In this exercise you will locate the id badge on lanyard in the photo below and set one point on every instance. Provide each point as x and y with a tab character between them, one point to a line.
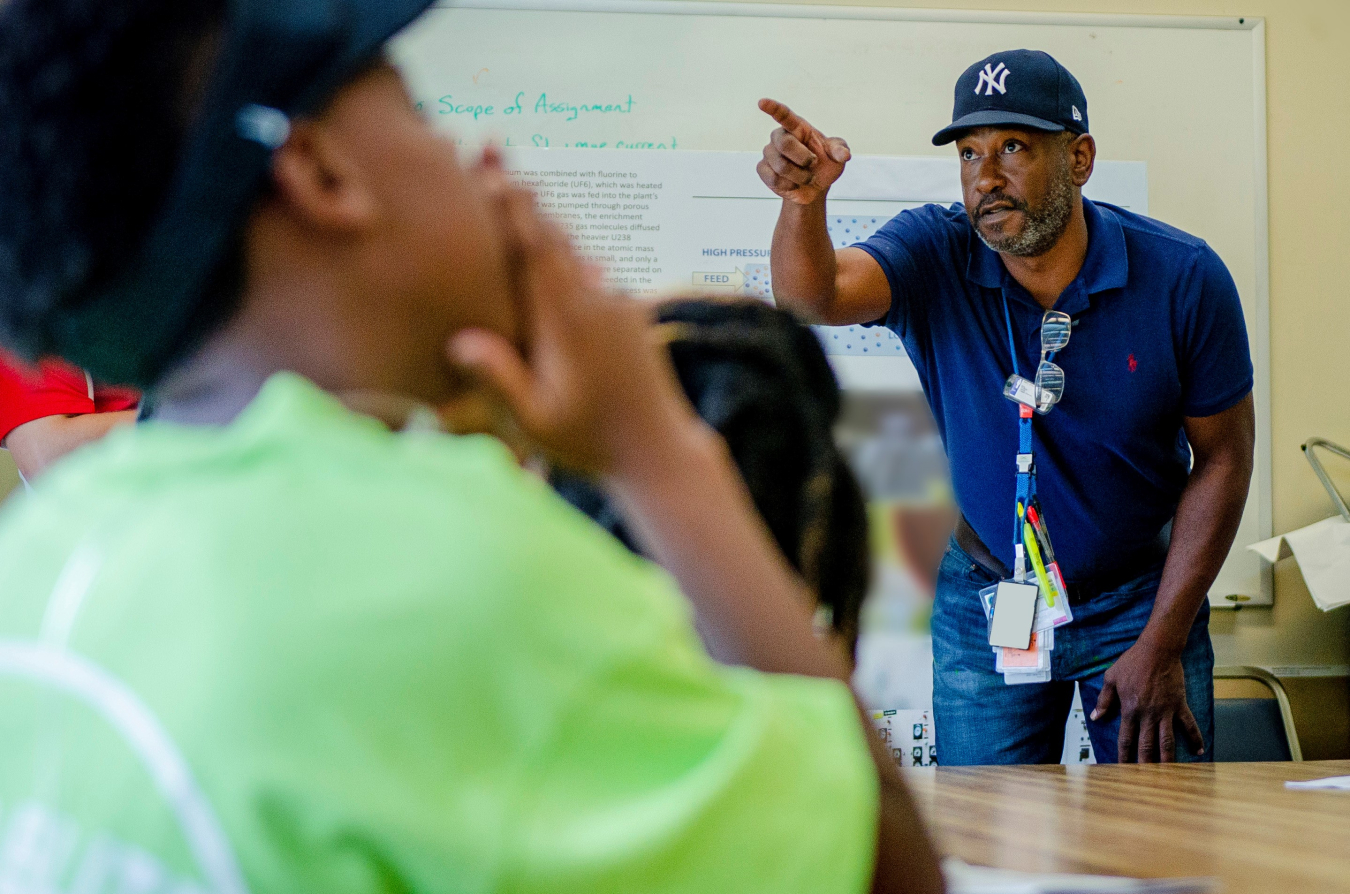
1024	611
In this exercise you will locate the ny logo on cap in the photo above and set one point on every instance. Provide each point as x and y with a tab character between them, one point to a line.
992	79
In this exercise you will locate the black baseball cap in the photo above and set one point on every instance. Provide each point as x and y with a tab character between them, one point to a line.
1019	88
280	59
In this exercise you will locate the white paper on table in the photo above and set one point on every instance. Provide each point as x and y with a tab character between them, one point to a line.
1322	551
1330	782
963	878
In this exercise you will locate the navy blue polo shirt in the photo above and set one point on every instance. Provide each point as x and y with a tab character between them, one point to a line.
1158	335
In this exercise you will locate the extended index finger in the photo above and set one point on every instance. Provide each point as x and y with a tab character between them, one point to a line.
790	120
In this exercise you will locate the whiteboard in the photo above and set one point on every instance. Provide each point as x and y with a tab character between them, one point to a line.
1184	96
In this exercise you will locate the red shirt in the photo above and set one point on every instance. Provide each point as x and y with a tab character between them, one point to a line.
54	388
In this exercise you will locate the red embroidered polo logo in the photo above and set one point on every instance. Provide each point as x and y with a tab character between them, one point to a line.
1134	364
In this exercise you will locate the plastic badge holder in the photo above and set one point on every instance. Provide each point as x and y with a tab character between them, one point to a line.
1025	666
1033	659
987	597
1026	392
1044	642
1047	618
1020	390
1039	677
1014	614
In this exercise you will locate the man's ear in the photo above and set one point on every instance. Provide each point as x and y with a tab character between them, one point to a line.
320	182
1082	157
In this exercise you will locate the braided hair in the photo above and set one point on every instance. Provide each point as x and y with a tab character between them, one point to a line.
761	380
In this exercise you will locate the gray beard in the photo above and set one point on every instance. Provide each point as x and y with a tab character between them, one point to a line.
1043	226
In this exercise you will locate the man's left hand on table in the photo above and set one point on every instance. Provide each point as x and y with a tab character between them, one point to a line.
1149	687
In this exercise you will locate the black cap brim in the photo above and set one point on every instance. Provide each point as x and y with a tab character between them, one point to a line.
993	118
368	27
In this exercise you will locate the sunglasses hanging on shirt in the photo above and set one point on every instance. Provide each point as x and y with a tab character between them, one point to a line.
1048	388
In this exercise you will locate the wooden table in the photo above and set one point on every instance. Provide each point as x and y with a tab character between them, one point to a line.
1233	821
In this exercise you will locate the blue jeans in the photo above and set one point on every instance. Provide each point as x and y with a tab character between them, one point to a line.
979	719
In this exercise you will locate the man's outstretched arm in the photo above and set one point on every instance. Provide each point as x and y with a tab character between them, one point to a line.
810	278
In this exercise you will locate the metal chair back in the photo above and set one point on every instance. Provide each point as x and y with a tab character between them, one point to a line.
1254	729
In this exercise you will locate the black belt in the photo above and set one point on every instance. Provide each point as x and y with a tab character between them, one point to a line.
1079	591
968	540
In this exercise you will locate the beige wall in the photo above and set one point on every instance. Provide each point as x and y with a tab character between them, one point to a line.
1309	165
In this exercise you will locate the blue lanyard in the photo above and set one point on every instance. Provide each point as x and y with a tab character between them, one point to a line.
1026	467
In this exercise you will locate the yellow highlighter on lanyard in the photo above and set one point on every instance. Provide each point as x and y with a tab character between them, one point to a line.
1047	552
1034	551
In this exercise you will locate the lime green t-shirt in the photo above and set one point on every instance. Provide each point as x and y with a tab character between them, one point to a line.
304	653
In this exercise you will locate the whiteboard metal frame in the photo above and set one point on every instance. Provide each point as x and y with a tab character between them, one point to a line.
1255	24
1265	514
865	13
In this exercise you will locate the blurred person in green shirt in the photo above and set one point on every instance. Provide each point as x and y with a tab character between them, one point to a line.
269	643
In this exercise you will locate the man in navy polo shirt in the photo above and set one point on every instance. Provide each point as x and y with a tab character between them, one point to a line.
1157	371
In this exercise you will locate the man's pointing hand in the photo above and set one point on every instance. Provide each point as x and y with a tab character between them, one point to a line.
800	162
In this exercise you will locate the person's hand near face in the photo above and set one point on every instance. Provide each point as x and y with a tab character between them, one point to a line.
587	383
591	387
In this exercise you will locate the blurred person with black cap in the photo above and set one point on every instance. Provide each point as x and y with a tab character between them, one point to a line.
1158	368
266	642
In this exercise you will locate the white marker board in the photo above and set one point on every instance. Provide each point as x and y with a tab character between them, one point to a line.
1185	96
